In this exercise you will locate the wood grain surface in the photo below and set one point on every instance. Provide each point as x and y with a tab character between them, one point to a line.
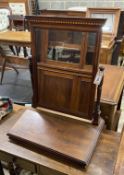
65	137
102	162
15	37
113	84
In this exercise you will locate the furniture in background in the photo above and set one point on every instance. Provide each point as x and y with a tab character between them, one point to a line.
121	49
21	7
34	7
121	54
112	95
18	23
4	3
118	53
62	12
110	30
17	38
18	7
5	25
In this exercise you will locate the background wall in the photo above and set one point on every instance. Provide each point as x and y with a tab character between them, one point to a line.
65	4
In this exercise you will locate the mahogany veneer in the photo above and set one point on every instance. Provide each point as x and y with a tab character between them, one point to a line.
64	64
66	137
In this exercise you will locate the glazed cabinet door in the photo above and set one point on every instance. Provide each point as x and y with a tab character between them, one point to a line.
64	66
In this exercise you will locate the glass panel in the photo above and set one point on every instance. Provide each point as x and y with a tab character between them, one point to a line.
108	26
91	43
64	46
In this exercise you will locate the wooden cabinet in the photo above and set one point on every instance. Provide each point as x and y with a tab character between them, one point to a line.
65	62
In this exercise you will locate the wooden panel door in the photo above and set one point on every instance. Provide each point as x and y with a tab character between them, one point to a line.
55	90
64	92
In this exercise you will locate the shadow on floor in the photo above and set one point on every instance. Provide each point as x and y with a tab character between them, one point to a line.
17	86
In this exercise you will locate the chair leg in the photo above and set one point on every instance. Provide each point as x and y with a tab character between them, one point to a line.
15	70
11	168
12	49
1	169
17	50
25	52
3	69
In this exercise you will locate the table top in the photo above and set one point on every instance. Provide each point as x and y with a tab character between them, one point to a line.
113	84
12	37
102	162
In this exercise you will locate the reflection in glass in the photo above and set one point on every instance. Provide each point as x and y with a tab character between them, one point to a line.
64	46
108	26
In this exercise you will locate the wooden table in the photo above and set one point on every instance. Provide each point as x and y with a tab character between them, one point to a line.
112	95
19	38
102	162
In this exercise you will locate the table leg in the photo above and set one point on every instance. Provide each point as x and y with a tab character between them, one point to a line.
25	52
1	169
11	168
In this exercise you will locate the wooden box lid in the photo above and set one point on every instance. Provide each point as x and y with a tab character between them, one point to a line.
64	137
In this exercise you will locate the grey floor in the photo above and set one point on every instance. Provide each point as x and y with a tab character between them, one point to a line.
17	86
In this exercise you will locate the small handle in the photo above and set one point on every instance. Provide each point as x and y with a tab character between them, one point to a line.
99	76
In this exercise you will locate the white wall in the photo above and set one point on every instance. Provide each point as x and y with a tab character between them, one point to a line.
65	4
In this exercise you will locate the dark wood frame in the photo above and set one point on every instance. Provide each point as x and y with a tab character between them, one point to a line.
61	87
71	23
